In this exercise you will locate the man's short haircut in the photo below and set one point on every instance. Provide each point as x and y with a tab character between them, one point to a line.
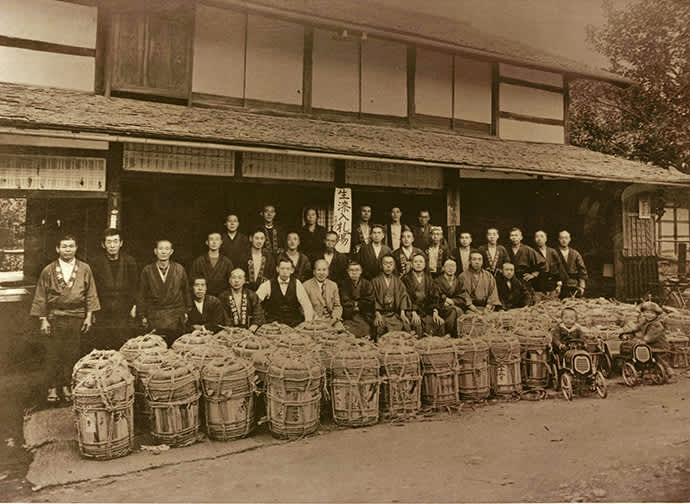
320	260
208	235
407	230
159	240
331	232
111	232
464	232
419	254
476	252
507	263
386	255
259	230
378	226
227	217
199	277
282	259
306	211
564	231
569	308
354	263
263	208
513	229
65	237
365	205
240	270
450	259
492	229
423	210
540	231
294	233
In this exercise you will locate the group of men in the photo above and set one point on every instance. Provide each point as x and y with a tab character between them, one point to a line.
394	278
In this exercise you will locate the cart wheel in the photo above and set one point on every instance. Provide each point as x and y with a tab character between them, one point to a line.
566	383
659	375
606	365
554	377
600	385
630	374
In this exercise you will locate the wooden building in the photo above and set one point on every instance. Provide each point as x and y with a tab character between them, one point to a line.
160	117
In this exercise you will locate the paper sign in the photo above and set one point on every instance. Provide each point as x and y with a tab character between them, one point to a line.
342	218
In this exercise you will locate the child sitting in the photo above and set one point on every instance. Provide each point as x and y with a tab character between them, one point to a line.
568	331
651	330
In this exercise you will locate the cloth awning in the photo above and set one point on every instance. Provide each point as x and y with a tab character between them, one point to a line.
28	107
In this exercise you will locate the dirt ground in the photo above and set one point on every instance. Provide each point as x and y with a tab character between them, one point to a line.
633	446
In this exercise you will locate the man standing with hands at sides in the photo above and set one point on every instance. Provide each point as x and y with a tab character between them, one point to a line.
337	262
422	294
164	294
275	236
299	260
450	299
393	230
494	255
390	300
206	311
511	290
361	233
260	262
312	234
403	256
116	276
422	231
478	286
213	266
235	245
357	298
549	283
461	255
437	252
370	255
64	301
529	264
282	297
323	294
242	306
574	267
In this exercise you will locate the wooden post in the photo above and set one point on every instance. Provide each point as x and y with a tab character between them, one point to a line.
411	71
307	70
566	108
495	99
113	185
618	244
451	185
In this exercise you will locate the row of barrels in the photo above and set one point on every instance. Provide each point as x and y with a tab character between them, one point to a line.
226	381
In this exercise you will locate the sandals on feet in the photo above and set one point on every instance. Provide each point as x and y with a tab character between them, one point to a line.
67	394
52	396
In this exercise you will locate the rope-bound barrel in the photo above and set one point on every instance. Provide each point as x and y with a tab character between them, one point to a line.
472	325
273	330
401	385
293	393
247	346
534	349
679	348
94	360
473	358
144	343
295	341
228	390
198	355
189	340
397	337
229	336
504	363
439	362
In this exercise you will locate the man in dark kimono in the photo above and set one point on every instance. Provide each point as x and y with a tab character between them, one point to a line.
284	298
425	318
357	298
259	262
394	229
337	262
164	294
275	236
235	245
361	232
116	276
461	255
573	266
213	266
242	306
206	311
371	253
422	230
478	287
529	264
312	235
390	300
494	255
449	294
549	283
511	290
300	261
64	301
403	256
437	252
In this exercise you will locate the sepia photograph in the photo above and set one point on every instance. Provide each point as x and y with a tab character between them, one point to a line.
325	251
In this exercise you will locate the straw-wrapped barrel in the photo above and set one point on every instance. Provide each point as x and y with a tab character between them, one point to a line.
504	364
229	336
534	352
228	390
273	331
141	368
354	384
144	343
397	337
94	360
198	355
439	360
317	329
401	384
473	357
103	408
189	340
472	325
173	392
679	345
293	394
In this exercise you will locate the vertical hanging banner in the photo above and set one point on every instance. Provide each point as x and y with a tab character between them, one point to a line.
342	218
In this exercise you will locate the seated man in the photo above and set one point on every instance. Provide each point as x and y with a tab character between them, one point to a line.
567	332
241	305
357	298
420	289
282	297
449	294
511	290
390	300
478	286
206	311
323	293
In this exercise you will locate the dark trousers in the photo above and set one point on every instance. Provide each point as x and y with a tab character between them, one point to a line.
109	333
62	349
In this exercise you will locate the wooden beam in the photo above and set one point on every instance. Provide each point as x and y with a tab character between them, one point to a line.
411	72
113	185
238	164
38	45
535	85
451	184
307	69
339	173
529	118
190	54
566	111
495	99
51	194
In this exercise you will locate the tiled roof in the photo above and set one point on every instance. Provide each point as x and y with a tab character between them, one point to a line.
43	108
434	29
